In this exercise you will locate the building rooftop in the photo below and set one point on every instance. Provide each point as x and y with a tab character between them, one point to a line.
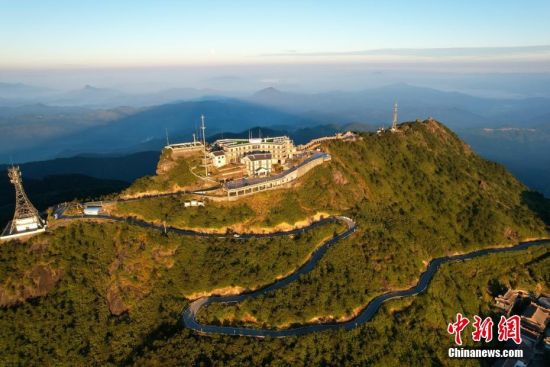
544	301
7	234
218	153
233	142
185	145
537	315
258	156
507	301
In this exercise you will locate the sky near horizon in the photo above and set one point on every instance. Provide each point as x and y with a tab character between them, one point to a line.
67	34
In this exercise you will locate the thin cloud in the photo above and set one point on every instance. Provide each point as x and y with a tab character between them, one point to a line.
430	52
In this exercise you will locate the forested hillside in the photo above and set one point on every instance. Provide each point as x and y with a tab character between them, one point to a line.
100	293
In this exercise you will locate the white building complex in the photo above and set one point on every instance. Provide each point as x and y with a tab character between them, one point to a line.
281	148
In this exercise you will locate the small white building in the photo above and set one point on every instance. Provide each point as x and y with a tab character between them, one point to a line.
193	202
92	210
27	224
258	164
218	158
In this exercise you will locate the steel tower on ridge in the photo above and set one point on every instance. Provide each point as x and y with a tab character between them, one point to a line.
394	122
26	219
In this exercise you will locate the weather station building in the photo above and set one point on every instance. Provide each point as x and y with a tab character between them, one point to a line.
185	149
258	164
218	158
92	210
281	148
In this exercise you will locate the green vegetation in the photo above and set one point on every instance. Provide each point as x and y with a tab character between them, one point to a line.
406	332
113	269
172	174
287	210
174	213
112	294
423	183
289	305
265	211
415	195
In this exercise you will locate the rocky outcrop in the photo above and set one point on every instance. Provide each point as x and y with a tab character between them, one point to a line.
37	282
115	301
339	178
165	163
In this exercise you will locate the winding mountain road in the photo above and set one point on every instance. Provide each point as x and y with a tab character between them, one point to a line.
189	315
59	211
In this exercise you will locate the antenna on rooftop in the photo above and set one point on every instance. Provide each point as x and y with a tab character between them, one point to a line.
167	141
203	128
196	130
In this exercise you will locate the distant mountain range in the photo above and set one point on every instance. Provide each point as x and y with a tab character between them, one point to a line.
13	95
40	124
28	132
114	167
374	106
40	131
368	105
132	130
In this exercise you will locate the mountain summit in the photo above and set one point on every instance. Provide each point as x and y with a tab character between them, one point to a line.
415	194
268	94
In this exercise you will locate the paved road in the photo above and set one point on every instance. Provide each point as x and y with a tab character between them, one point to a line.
59	212
189	315
203	192
244	182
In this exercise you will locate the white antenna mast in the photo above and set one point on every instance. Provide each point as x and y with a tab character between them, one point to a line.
394	123
203	128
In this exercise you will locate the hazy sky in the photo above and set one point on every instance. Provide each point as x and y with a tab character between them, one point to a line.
80	33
